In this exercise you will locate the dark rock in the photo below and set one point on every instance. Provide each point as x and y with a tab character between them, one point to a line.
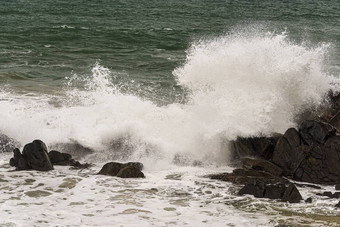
260	164
36	156
58	158
338	204
316	132
130	172
275	191
18	161
242	176
337	187
255	146
288	153
7	144
329	194
73	148
291	194
309	200
113	168
272	191
256	189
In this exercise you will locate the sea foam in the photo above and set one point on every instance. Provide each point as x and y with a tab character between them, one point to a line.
239	85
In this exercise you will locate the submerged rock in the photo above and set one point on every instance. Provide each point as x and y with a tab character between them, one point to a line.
65	159
123	170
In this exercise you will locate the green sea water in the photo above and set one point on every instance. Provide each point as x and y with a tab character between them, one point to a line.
44	41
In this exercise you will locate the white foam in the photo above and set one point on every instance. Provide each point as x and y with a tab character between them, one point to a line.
240	85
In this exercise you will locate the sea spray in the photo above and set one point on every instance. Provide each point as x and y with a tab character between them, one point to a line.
240	85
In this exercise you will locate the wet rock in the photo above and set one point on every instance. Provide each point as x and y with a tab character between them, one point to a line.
291	194
18	161
242	176
73	148
256	189
288	153
309	200
272	191
261	164
331	195
255	146
58	158
36	156
338	205
115	168
316	132
130	172
7	144
337	187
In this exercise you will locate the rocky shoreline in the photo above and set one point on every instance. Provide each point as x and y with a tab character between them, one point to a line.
266	167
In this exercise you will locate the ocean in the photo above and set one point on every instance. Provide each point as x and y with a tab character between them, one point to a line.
166	83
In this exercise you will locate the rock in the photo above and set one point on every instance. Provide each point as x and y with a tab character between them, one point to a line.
7	144
113	168
242	176
291	194
255	146
309	200
36	156
272	191
73	148
58	158
18	161
288	153
316	132
331	195
261	164
338	204
337	187
256	189
130	172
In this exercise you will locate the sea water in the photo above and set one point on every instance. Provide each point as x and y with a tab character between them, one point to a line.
168	84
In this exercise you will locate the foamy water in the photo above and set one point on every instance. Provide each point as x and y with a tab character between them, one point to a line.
238	85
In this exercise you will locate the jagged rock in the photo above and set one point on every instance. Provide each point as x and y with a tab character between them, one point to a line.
291	194
260	164
337	187
288	153
113	168
242	176
321	163
255	146
316	132
36	156
272	191
7	144
130	172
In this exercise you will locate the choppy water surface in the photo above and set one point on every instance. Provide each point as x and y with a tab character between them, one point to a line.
168	84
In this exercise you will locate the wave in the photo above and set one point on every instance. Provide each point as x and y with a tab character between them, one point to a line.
239	84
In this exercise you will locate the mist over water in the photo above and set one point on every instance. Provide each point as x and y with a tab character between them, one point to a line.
238	84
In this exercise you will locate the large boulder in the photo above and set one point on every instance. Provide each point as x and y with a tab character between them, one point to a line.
316	132
288	153
123	170
58	158
18	161
36	156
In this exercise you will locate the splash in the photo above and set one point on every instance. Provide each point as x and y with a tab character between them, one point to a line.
240	85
